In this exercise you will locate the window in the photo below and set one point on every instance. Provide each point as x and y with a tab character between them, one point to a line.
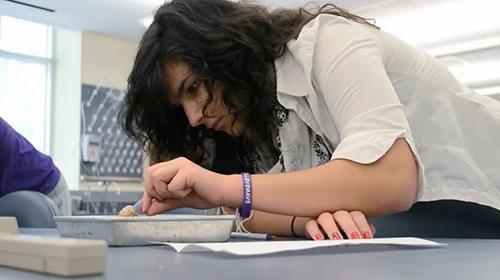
25	75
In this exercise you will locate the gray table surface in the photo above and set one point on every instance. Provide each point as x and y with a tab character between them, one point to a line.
461	259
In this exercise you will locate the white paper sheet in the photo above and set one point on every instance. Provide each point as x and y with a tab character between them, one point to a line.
269	247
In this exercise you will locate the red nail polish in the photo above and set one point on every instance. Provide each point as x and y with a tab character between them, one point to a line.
355	235
367	235
318	236
336	236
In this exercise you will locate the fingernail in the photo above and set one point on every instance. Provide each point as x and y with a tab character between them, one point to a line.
336	236
355	235
367	235
318	236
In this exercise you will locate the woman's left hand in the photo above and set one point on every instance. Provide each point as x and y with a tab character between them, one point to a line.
353	224
180	183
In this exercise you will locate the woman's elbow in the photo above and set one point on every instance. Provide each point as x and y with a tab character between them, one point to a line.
406	195
405	189
403	178
397	197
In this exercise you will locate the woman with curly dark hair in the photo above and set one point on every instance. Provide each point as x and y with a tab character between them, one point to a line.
346	120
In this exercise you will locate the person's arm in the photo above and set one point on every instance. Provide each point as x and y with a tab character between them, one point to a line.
387	186
337	225
275	224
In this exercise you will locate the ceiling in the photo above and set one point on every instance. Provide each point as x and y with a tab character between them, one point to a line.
121	18
414	20
451	29
114	18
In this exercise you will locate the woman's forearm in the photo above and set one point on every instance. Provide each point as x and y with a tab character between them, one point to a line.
275	224
386	186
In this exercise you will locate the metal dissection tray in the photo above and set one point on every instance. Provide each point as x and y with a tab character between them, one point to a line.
142	230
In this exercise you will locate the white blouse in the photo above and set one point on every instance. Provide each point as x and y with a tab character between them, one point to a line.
360	89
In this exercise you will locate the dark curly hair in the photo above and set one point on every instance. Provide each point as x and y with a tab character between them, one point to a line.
232	43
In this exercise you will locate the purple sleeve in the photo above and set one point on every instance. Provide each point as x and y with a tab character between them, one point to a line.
22	167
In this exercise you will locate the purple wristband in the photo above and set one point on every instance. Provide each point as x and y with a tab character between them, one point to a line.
246	206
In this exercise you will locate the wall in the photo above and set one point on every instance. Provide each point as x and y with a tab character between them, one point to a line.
82	57
65	113
107	62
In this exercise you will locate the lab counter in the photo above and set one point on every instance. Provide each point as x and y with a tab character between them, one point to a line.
461	259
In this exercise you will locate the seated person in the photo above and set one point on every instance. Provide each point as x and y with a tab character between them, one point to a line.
23	168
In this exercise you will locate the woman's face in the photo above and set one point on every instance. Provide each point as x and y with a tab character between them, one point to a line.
187	90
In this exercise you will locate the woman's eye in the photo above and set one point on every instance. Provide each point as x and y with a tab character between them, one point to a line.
194	87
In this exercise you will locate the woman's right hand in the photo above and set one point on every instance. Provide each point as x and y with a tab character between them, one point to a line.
353	224
180	183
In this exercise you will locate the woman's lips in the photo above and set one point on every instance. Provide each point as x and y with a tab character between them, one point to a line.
218	123
212	124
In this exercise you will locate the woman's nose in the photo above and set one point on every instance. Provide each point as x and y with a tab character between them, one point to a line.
193	114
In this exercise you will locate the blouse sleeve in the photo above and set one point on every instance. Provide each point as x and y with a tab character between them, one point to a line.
348	70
